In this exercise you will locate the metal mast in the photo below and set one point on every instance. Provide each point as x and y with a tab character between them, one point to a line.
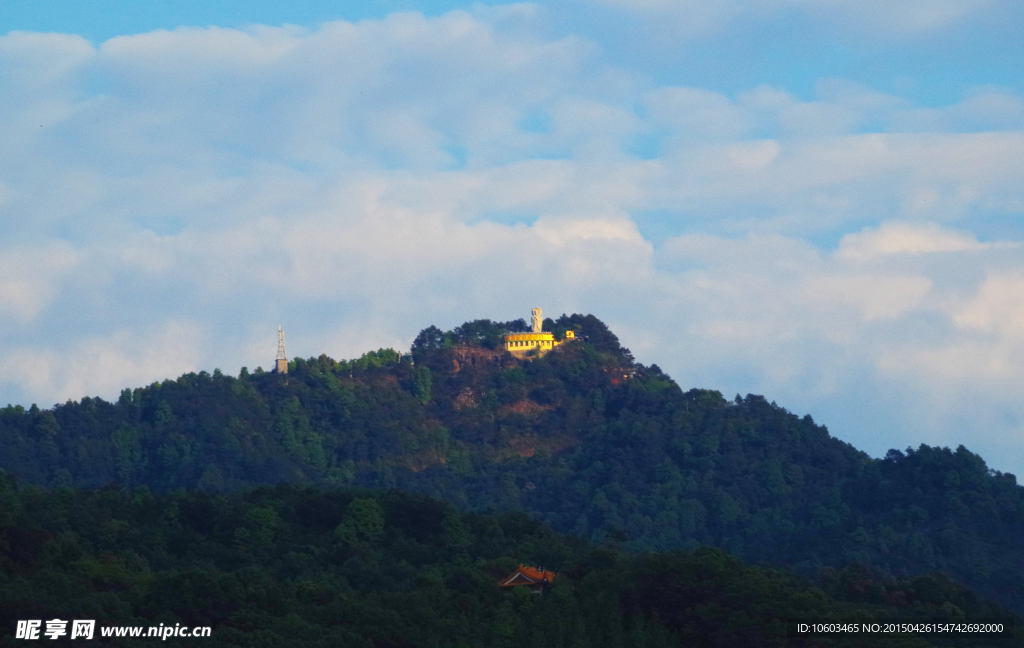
281	365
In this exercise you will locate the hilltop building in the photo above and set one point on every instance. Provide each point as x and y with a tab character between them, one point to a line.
282	360
536	342
535	579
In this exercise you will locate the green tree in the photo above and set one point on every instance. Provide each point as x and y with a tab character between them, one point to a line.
422	383
364	522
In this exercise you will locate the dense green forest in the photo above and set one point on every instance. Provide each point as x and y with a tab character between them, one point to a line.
298	566
584	439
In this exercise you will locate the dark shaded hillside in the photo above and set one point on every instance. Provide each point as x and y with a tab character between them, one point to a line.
584	439
296	566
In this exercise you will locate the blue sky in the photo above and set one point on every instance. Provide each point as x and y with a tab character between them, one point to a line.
814	200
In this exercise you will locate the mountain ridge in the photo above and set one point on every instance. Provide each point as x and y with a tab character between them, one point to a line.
585	439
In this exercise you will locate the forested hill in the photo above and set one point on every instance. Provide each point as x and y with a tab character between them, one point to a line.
584	439
307	568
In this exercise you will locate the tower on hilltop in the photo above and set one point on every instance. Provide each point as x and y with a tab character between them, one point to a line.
537	342
282	359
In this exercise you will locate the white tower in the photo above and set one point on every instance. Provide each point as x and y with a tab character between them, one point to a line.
282	359
538	323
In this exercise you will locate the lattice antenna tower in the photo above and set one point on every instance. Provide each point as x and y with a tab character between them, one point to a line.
281	364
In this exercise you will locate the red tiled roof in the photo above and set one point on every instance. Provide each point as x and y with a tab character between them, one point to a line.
527	576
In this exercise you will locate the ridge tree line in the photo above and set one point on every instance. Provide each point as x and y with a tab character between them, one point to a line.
584	439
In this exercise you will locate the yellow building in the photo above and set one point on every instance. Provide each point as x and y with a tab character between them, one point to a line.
536	342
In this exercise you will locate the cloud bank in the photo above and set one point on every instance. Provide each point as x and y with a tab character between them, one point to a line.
167	199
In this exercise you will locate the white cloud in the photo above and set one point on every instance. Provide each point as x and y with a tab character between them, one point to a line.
884	297
692	114
908	238
104	365
997	308
983	109
30	278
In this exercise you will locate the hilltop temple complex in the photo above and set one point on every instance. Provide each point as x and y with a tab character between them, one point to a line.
537	342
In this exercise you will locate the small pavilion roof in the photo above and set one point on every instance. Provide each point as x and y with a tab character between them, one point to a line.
525	575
